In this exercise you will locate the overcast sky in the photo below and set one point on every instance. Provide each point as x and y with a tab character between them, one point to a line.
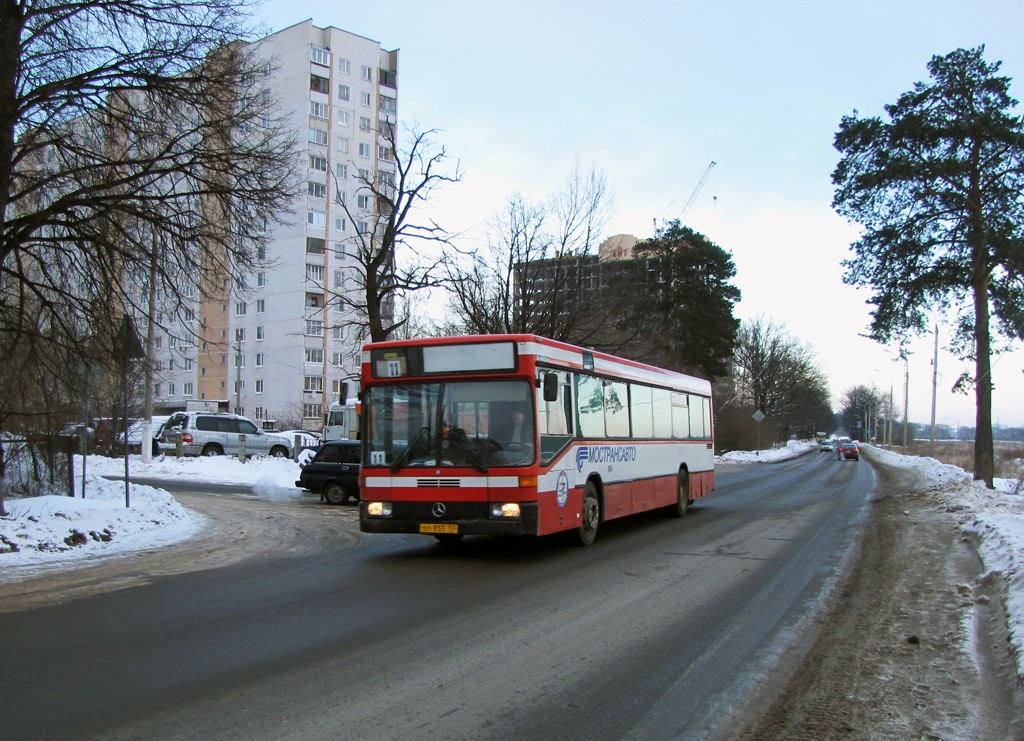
651	93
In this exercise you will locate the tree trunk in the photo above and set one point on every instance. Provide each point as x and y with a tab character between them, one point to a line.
984	456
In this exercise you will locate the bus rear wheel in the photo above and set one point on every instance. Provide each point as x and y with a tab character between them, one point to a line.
590	515
682	504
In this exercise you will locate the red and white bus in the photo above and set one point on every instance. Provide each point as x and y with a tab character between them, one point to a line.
601	437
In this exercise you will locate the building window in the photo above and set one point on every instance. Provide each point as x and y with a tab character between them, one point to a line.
340	224
319	84
384	152
365	176
343	118
316	190
239	360
364	98
316	218
317	136
186	389
314	272
240	335
363	227
259	332
314	384
259	385
344	67
314	355
315	245
259	360
363	201
344	93
314	328
261	280
366	73
261	306
364	149
313	411
318	110
320	56
341	170
240	308
187	364
342	144
318	163
170	389
387	103
364	123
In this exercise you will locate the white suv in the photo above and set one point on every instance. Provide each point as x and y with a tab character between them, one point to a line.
210	433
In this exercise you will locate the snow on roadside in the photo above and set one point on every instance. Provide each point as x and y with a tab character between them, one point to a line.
59	531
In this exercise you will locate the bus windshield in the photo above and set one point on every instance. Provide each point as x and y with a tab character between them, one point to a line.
450	425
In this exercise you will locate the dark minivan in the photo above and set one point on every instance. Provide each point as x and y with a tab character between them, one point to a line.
333	472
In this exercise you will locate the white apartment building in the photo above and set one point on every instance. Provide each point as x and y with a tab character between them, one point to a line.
275	344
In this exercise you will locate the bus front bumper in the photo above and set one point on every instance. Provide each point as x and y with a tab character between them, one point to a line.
450	518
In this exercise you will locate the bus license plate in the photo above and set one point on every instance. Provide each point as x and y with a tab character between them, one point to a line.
435	528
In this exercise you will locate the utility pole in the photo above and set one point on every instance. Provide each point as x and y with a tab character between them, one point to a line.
906	398
935	386
146	441
238	376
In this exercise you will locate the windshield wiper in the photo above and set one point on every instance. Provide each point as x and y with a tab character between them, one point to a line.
462	443
407	453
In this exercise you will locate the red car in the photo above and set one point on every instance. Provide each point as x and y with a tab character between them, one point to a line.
849	451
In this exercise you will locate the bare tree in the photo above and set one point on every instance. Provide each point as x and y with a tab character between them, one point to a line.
131	136
540	271
774	373
396	254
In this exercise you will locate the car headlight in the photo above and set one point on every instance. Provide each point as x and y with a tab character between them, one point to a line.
378	509
506	510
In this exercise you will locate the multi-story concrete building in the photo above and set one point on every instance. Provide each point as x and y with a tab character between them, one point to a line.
278	344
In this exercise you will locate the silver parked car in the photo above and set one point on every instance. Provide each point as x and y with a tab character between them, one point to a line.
212	433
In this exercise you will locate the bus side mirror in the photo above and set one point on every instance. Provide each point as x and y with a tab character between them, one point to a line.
343	393
550	387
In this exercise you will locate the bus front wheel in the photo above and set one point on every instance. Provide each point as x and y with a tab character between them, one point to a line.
682	496
590	515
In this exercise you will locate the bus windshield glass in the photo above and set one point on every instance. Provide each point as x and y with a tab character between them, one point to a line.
479	424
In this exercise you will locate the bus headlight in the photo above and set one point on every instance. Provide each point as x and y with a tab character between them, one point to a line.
378	509
504	511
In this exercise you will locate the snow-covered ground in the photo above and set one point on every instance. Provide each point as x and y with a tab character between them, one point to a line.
59	532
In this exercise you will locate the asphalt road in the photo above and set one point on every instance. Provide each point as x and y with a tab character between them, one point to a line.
661	629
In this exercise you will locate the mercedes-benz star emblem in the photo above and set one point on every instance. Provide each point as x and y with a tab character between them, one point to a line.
438	509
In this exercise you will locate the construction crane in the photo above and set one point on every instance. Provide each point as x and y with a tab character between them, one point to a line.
696	191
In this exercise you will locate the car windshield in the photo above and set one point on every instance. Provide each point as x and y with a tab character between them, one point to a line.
446	425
